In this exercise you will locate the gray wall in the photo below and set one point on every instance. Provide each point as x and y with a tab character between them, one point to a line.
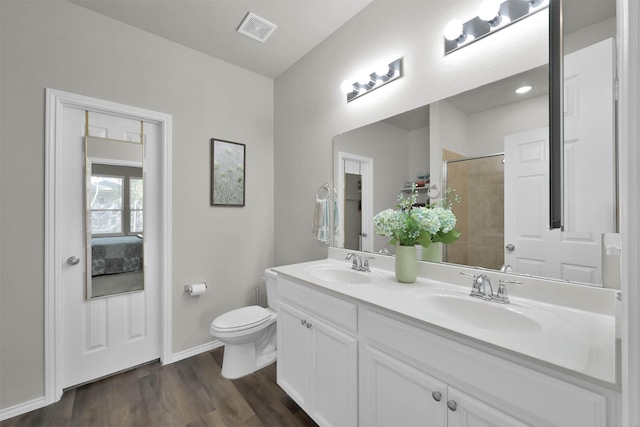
55	44
310	109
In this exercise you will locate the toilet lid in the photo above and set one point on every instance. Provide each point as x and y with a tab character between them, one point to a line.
241	318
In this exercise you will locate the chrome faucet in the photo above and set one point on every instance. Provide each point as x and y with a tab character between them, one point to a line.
482	288
358	263
480	284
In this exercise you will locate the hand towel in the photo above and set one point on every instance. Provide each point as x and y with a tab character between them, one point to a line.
321	220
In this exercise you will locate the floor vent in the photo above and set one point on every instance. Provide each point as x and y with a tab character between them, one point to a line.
257	28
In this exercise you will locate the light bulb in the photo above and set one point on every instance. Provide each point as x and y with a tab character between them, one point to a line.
347	87
489	10
454	30
382	69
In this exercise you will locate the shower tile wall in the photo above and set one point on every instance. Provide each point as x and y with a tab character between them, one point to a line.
486	220
458	179
480	213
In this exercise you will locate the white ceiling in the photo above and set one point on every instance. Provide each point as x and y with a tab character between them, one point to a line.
209	26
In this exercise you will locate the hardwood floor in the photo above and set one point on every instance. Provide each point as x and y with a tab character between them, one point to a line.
190	393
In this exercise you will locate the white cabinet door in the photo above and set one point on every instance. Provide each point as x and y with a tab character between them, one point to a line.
293	354
466	411
334	375
317	367
395	394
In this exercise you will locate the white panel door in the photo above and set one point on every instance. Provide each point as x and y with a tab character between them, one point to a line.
530	247
110	334
357	165
589	149
589	174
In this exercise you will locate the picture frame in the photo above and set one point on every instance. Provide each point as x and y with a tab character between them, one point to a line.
227	173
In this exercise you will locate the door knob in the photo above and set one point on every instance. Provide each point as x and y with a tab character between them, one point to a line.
73	260
510	247
452	405
436	396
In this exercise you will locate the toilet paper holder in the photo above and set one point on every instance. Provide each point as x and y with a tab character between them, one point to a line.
189	288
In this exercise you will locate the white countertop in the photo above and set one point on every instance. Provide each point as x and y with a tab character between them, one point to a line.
577	333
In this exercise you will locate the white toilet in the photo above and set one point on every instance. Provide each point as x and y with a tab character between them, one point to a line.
248	334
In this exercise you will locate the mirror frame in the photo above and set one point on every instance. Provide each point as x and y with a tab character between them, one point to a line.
556	116
88	172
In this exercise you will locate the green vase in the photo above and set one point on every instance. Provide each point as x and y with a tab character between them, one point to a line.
433	253
406	264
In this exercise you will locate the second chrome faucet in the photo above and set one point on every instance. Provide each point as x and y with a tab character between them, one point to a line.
359	263
481	288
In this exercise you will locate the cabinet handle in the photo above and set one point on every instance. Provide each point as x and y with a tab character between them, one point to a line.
303	322
308	325
452	405
436	396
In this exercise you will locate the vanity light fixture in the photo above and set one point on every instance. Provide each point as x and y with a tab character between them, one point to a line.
383	74
492	16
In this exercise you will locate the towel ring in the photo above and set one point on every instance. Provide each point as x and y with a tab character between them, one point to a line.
323	192
433	188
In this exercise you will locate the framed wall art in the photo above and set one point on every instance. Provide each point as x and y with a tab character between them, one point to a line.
227	173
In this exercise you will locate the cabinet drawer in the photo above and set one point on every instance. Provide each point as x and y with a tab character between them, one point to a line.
335	311
518	390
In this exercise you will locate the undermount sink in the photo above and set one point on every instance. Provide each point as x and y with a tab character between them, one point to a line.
341	275
483	314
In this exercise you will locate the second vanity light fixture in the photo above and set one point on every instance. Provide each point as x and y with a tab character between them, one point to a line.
493	15
382	75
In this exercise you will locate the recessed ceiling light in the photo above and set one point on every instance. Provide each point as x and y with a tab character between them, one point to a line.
523	89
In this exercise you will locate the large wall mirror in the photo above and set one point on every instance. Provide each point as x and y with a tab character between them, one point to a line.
114	216
491	145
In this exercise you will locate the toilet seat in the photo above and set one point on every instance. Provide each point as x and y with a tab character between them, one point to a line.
241	319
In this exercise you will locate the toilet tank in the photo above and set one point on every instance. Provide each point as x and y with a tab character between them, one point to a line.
271	279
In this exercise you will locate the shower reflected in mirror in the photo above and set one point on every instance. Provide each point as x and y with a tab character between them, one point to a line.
479	183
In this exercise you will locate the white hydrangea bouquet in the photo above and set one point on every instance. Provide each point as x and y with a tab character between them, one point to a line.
411	225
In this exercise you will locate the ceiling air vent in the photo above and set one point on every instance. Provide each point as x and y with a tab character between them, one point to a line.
257	28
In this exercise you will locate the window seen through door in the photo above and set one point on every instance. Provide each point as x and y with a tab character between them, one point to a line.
116	204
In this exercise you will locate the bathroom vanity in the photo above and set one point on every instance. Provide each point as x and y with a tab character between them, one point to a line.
359	348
